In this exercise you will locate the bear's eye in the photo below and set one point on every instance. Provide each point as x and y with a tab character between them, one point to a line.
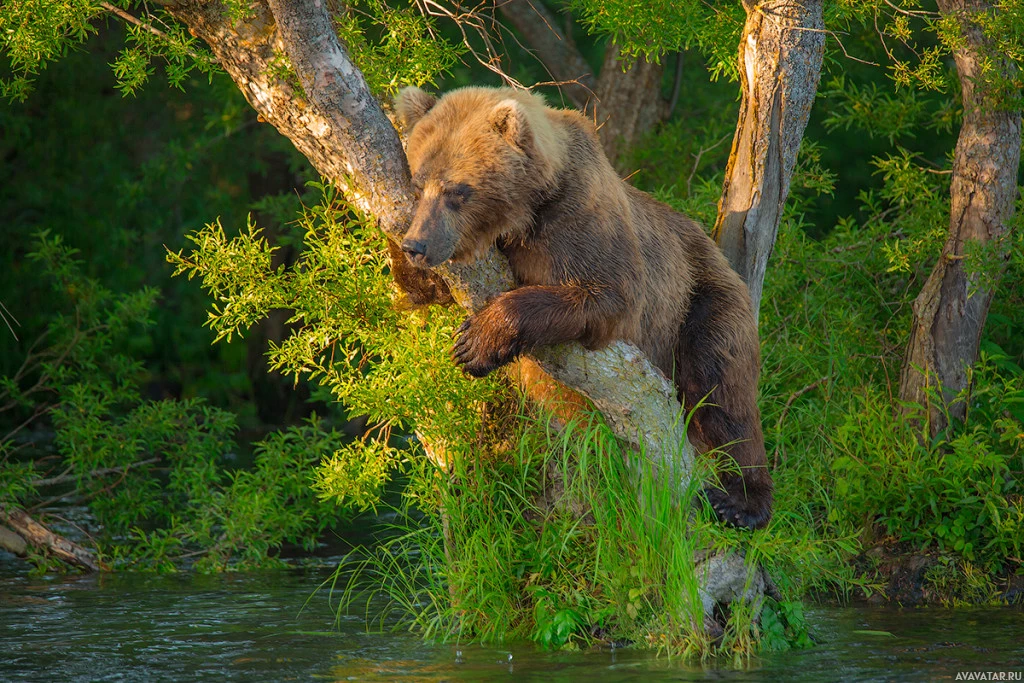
457	194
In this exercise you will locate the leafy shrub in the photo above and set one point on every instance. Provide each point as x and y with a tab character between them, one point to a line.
161	478
962	493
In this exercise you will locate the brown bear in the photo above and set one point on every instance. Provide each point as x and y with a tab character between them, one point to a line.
595	260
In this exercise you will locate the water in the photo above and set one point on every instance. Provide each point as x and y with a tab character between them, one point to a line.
253	627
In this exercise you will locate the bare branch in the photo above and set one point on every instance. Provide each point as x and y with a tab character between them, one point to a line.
696	160
146	26
480	20
552	47
7	317
68	475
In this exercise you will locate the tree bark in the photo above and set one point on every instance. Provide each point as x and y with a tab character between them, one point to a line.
950	311
345	134
20	525
781	51
629	101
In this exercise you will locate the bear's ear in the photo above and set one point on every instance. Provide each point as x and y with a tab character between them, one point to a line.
509	119
412	104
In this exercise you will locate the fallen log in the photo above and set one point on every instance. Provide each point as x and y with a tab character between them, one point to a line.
19	525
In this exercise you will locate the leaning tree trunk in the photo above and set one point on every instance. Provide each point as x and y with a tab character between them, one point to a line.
781	51
345	134
950	311
19	532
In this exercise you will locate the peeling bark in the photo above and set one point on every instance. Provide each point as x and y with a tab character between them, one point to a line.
781	51
950	311
638	401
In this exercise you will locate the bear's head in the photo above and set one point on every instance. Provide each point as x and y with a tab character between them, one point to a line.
481	160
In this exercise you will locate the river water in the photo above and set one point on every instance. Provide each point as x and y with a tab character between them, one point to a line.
275	626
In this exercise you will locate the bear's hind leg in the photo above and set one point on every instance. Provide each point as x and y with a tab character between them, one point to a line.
718	357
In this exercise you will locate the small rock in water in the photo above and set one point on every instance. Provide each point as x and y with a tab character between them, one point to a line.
458	656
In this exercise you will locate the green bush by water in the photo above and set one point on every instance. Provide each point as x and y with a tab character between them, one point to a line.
161	478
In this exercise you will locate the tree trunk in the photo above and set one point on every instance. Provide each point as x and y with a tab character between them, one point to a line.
950	311
19	525
629	101
345	134
781	51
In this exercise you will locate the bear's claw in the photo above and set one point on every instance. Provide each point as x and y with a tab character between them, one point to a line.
738	510
480	354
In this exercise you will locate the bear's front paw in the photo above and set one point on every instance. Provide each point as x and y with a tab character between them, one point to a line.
482	348
749	509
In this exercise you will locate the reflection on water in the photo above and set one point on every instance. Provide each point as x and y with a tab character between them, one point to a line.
253	627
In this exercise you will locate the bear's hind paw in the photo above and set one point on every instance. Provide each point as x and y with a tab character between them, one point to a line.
739	511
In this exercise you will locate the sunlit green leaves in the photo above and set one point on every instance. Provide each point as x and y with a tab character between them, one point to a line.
654	28
35	32
132	70
346	336
237	273
157	37
394	46
354	475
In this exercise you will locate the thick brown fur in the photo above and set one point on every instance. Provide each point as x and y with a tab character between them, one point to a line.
595	261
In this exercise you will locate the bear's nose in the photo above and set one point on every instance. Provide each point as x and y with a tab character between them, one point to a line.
414	249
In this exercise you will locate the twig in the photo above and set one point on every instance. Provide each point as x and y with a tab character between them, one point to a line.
847	54
67	475
698	155
785	410
478	21
151	29
4	314
911	13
